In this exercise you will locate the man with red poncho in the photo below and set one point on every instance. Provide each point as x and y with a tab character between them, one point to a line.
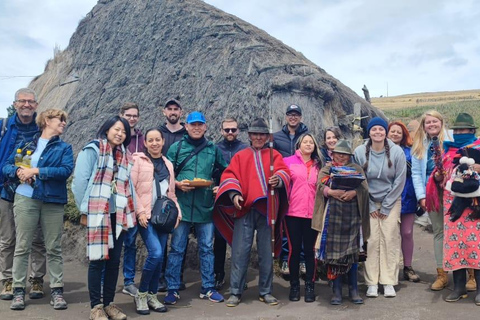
241	207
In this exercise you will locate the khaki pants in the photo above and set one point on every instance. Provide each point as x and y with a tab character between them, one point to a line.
383	249
437	226
28	214
7	245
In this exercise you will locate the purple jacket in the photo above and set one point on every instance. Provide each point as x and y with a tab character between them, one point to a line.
136	144
301	195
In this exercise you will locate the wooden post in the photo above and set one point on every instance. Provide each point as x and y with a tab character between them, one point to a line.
356	127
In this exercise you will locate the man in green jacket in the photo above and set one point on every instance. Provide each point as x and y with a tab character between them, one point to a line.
194	157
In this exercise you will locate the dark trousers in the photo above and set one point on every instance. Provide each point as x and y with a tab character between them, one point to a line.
219	250
299	232
111	267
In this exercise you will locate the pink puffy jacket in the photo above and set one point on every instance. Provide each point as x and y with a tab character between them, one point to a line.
142	178
301	196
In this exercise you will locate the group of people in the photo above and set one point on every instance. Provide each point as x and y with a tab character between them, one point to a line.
311	204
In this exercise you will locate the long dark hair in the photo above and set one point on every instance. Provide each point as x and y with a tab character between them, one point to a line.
316	155
336	131
110	122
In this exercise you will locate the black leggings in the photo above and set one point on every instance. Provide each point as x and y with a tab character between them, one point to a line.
299	231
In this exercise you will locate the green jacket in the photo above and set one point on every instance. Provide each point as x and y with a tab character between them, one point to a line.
196	205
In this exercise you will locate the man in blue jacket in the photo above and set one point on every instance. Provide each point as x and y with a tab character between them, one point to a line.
284	141
19	129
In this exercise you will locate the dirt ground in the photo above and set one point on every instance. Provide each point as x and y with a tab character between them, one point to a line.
413	301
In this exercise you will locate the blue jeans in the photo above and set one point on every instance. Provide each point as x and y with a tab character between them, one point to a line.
156	243
129	256
204	233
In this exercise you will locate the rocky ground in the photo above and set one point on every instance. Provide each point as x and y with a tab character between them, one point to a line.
413	301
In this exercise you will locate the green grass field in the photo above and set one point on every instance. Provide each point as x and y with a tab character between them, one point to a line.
448	110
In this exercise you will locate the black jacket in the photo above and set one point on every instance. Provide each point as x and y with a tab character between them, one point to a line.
171	137
230	148
282	142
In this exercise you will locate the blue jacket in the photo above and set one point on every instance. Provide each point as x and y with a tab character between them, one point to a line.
282	142
55	166
409	199
7	144
85	169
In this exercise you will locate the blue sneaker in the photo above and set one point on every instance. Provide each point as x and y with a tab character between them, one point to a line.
172	297
211	294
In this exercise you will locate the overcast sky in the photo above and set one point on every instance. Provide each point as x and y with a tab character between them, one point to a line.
403	46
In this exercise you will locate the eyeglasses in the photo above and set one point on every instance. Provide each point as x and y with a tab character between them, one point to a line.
293	115
22	102
133	116
61	118
232	130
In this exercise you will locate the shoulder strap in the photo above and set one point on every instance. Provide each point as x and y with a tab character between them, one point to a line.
194	152
157	185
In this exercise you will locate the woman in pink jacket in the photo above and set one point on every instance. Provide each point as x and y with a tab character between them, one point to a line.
146	166
304	166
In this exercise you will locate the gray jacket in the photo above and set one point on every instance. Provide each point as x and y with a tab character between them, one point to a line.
385	184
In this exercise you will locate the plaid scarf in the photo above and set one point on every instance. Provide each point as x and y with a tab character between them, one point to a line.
105	185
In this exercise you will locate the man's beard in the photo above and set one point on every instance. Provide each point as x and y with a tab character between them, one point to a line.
173	120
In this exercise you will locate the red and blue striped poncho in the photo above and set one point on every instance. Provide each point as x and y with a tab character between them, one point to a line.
248	174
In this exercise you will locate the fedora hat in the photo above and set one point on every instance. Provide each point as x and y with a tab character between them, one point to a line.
463	121
258	126
343	146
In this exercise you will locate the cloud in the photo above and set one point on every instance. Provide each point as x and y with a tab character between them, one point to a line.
411	45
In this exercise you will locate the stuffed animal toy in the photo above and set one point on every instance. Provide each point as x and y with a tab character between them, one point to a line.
465	186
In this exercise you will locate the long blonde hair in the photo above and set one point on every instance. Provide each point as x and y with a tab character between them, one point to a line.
418	148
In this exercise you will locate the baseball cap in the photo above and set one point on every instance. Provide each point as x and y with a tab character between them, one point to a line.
294	108
196	116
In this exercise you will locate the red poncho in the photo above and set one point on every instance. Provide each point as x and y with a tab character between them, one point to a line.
248	174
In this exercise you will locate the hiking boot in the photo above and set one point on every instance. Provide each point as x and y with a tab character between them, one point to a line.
162	285
309	291
97	313
141	303
18	302
114	312
211	295
441	282
285	270
410	275
233	300
471	283
389	291
294	294
154	304
36	291
57	300
172	297
7	292
219	281
130	290
268	299
372	291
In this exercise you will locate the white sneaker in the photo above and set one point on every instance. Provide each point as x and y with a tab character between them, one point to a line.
372	291
389	291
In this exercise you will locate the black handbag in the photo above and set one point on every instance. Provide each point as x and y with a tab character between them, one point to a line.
164	213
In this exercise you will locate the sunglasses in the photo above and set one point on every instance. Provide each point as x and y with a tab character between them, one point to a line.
232	130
